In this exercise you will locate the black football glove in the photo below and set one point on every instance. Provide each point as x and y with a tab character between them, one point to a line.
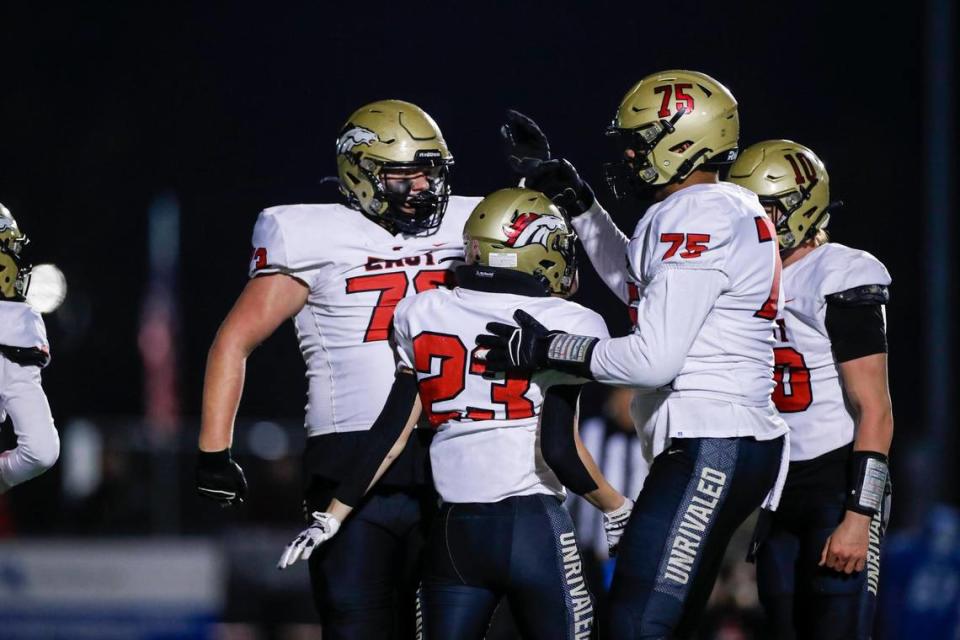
219	478
559	180
525	143
528	154
531	347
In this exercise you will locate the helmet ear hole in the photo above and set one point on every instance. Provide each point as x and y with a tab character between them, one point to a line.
547	264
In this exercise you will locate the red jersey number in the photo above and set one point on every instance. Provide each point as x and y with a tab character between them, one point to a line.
393	287
259	258
696	244
793	392
451	381
447	384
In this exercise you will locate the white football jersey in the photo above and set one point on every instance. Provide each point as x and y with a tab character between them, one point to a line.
809	392
487	442
22	326
357	272
703	278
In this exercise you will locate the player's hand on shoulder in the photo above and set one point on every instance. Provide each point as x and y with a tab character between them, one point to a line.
220	478
520	347
323	527
529	346
614	524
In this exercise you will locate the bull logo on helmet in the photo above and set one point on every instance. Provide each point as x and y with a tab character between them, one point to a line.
531	228
354	137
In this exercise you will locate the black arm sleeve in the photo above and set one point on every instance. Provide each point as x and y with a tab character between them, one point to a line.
557	443
855	331
382	435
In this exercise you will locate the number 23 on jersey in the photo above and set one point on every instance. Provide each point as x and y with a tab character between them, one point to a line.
507	399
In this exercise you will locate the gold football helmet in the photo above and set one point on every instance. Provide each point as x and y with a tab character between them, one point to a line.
14	273
669	124
394	137
522	229
792	184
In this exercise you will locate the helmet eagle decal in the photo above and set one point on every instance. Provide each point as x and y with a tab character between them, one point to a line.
523	230
354	137
530	228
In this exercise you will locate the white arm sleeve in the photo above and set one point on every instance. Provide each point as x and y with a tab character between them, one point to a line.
669	316
606	246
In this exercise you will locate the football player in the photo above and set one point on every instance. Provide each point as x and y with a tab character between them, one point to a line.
339	270
24	351
701	274
819	566
505	445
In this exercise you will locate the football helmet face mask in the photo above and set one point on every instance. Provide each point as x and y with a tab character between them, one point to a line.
792	184
393	165
522	229
14	272
669	124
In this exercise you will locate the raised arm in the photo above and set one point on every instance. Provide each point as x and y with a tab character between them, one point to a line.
606	246
528	154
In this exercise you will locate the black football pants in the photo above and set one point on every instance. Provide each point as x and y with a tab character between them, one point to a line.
802	599
365	578
698	492
522	548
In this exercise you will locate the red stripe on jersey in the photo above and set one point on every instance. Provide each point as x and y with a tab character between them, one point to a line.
765	230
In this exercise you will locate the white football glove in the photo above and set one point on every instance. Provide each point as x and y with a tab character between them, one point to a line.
614	523
324	527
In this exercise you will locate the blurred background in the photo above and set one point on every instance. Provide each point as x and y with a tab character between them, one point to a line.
138	142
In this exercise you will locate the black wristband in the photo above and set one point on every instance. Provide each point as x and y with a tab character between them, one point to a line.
867	481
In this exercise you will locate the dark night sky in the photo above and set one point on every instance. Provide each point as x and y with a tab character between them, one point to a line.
235	106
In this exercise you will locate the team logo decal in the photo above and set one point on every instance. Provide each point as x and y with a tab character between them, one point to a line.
531	228
356	136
